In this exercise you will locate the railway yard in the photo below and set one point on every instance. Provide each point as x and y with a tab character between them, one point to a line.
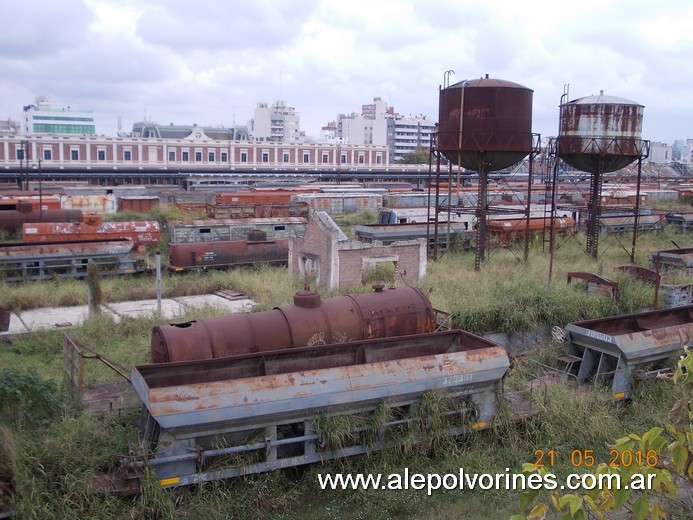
237	410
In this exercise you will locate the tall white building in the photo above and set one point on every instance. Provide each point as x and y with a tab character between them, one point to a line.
43	119
412	134
278	123
379	125
660	153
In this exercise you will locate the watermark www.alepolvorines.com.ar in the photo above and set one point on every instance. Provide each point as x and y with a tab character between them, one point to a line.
464	480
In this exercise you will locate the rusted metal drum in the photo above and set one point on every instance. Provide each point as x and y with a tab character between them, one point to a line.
309	321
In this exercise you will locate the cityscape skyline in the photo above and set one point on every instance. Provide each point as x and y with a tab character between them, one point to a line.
209	64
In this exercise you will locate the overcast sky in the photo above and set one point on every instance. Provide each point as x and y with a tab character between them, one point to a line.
210	61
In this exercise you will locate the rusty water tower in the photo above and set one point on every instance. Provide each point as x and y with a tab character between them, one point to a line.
484	125
598	135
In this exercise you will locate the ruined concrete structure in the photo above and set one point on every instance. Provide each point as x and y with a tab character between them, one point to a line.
327	256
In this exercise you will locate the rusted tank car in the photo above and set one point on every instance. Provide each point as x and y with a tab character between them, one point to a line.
12	216
507	229
142	233
309	321
228	253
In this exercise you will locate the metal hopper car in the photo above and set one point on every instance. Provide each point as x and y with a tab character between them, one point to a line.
615	351
48	260
219	418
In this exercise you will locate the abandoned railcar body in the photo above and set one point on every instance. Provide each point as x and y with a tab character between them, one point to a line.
309	321
272	410
616	350
234	229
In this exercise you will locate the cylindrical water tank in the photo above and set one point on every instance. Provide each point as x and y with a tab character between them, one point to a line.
309	321
600	134
488	119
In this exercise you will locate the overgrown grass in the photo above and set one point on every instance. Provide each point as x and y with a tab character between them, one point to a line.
53	467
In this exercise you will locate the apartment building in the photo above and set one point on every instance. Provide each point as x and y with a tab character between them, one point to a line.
42	119
277	123
379	125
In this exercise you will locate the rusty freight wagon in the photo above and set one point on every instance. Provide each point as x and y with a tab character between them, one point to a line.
14	214
141	204
255	249
142	233
265	210
508	230
615	351
46	261
274	196
452	233
625	224
234	229
221	418
342	203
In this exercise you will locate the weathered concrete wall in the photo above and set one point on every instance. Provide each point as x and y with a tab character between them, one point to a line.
355	258
325	254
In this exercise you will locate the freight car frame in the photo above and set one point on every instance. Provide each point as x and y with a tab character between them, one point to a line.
625	224
222	418
681	219
46	261
211	230
611	351
389	233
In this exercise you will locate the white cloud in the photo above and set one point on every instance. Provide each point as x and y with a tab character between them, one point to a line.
209	62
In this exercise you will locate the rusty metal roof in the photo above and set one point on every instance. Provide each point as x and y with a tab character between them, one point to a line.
487	83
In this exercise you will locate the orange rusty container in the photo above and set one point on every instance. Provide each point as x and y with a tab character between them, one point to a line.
508	228
255	197
141	233
138	204
309	321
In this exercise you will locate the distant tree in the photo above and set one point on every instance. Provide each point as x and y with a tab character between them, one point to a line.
418	156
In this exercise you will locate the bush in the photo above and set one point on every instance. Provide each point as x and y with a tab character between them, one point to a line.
27	399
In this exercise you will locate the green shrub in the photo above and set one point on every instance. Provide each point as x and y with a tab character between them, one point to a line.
27	399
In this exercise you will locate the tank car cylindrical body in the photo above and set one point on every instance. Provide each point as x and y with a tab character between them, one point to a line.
485	118
600	133
309	321
226	253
